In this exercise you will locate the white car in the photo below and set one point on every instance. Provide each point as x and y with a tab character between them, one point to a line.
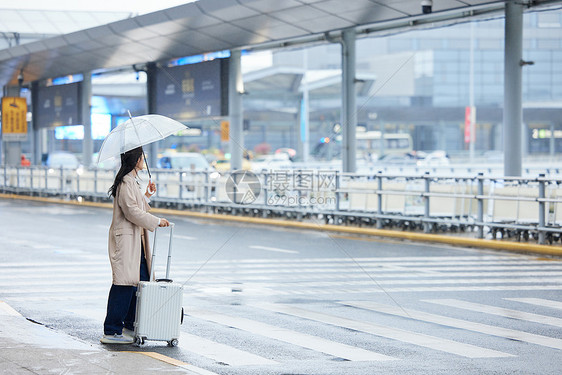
66	160
188	167
271	162
434	159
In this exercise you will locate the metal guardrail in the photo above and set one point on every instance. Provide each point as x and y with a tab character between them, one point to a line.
481	206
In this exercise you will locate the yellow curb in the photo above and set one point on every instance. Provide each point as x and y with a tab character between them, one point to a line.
419	237
163	358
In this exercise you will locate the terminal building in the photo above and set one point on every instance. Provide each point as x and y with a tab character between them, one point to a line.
417	82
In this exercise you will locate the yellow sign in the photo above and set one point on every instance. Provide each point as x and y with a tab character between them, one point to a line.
225	131
14	119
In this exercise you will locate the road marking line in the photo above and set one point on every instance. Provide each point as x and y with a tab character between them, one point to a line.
277	250
6	309
362	270
253	262
539	302
184	237
202	290
432	342
499	311
290	283
346	276
223	353
161	357
458	323
105	274
175	362
318	344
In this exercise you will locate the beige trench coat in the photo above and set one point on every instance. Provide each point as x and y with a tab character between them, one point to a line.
130	225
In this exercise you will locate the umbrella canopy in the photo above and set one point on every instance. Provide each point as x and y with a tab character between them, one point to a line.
135	132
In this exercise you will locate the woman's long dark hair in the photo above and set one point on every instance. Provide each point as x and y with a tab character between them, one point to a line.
128	162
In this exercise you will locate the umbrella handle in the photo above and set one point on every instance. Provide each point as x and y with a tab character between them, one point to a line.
149	190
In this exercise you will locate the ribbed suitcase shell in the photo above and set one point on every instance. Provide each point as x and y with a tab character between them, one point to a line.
159	305
159	308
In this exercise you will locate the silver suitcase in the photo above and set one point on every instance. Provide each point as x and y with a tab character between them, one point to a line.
159	305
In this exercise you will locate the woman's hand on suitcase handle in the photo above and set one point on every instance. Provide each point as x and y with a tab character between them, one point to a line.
164	223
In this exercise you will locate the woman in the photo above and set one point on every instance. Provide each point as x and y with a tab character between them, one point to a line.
129	250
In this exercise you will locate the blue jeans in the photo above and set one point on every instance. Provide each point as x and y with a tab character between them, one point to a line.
122	304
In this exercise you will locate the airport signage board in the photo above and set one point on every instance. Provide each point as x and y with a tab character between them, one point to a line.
14	119
59	105
193	91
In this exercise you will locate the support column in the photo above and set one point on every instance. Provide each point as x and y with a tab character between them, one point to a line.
349	114
37	149
235	110
86	113
471	95
151	150
512	111
304	113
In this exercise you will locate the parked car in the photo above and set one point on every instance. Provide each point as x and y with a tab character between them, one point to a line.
434	159
271	162
71	168
110	164
191	166
397	159
60	159
184	160
223	165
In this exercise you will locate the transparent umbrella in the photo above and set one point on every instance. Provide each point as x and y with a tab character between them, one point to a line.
137	131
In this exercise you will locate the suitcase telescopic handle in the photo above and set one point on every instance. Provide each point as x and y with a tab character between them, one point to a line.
169	254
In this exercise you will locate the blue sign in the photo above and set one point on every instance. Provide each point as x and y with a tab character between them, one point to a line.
58	105
193	91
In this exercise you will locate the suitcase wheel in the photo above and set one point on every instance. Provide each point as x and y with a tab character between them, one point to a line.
173	342
139	341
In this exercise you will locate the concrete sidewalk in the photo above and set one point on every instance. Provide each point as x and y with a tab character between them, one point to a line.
30	348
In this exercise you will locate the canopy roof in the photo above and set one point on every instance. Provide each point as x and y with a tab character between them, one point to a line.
214	25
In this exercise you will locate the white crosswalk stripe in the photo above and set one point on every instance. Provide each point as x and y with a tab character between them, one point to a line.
223	353
500	311
538	302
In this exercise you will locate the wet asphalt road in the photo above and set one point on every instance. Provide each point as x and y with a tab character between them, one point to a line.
263	300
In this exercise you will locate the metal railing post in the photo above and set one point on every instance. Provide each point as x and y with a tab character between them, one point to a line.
157	177
338	184
480	205
181	185
31	178
265	189
77	183
61	180
18	178
379	200
426	224
95	181
542	211
46	179
207	187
